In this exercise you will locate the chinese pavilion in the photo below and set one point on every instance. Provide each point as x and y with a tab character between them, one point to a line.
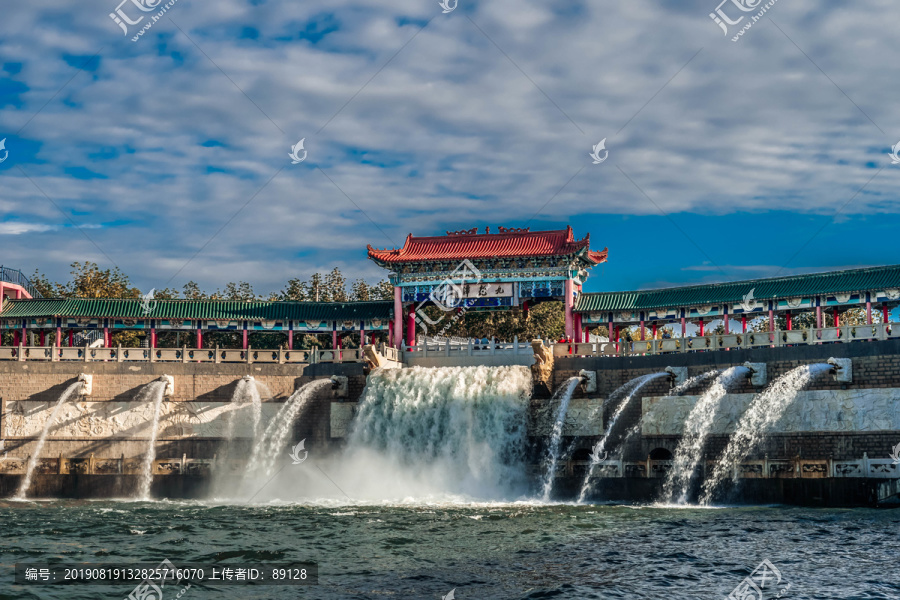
518	266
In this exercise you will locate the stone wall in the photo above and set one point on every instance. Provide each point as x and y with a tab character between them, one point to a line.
114	420
876	365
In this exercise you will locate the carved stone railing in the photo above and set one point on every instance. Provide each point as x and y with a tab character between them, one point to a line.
731	341
182	355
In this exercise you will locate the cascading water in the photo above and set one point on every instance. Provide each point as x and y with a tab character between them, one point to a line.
439	433
36	455
763	413
689	452
270	444
598	454
156	390
695	380
563	396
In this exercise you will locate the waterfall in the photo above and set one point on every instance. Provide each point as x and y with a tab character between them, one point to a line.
271	443
563	395
695	380
157	390
689	453
763	413
440	432
36	455
598	454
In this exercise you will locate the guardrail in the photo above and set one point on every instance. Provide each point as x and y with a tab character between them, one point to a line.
182	355
732	341
16	276
873	468
471	348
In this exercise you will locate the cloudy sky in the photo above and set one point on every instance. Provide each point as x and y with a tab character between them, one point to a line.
168	156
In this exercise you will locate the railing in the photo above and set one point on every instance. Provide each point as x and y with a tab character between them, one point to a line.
16	276
874	468
90	465
182	355
732	341
471	348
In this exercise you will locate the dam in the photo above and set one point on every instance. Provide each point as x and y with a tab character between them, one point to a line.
792	398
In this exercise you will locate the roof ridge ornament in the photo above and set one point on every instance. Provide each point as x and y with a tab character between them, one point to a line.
514	229
472	231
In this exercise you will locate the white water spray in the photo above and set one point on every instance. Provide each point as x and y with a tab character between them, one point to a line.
271	443
763	413
599	452
695	380
157	390
689	452
36	455
563	395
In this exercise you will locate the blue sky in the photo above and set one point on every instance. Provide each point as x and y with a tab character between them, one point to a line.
168	156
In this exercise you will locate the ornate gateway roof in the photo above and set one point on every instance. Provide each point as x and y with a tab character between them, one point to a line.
505	243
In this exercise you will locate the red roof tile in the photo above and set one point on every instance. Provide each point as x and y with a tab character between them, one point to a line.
470	244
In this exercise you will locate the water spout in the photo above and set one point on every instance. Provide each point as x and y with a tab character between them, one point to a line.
763	413
48	424
157	390
564	396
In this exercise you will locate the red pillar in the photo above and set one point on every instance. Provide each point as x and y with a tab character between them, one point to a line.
16	337
290	339
2	294
683	326
885	314
334	339
24	336
577	328
106	337
42	337
654	330
790	320
744	323
398	316
616	339
642	327
411	326
609	329
818	317
771	320
71	338
199	338
524	309
59	337
868	310
391	333
246	340
701	326
362	335
587	334
727	318
153	337
837	319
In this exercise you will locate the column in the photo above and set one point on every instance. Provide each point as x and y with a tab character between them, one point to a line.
391	333
727	318
2	294
71	338
654	330
106	337
643	337
398	316
153	337
683	325
199	336
885	314
578	328
837	318
790	321
59	337
246	340
15	337
411	326
609	328
24	334
362	335
868	309
587	334
771	319
524	309
42	337
570	304
616	339
334	338
701	326
818	315
290	339
744	323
